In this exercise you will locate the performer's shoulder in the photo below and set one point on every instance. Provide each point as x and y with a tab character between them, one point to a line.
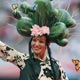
53	59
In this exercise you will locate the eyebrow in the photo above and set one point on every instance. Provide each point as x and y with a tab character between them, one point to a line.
39	39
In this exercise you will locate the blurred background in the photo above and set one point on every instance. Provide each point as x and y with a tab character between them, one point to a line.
10	36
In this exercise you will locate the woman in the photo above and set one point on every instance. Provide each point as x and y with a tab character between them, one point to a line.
44	24
37	66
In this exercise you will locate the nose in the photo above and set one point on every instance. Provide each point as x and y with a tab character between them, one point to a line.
37	43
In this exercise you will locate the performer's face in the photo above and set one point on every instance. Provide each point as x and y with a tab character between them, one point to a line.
38	45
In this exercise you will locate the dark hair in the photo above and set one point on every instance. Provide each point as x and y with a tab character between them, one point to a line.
49	53
30	52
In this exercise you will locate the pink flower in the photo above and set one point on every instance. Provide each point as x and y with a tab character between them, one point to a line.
45	30
37	30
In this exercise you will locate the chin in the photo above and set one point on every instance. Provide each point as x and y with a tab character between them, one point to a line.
36	52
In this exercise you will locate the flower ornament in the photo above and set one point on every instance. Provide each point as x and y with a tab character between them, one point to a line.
39	31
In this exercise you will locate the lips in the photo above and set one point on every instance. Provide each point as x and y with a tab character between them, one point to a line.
37	48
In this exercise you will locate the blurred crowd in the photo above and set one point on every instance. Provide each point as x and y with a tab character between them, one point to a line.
10	36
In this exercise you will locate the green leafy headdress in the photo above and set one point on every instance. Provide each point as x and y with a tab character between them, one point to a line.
43	14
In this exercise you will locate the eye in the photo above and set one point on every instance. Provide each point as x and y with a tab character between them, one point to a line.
34	40
41	41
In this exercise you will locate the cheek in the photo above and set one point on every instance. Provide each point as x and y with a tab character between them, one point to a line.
32	45
43	46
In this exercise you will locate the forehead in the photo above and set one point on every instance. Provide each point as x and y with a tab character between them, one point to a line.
40	38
